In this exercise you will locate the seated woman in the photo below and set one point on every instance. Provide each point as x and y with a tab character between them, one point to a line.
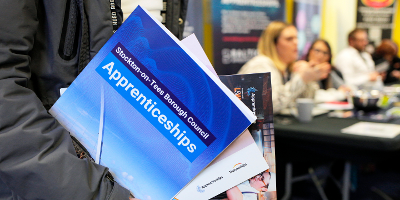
320	53
277	50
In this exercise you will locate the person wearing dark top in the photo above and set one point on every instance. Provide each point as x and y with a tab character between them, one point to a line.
44	45
387	62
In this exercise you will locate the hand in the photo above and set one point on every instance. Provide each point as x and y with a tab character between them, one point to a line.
383	75
313	63
305	70
396	73
130	198
300	66
323	69
373	76
345	89
309	73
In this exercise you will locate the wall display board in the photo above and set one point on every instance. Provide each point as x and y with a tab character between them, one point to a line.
194	21
307	19
236	27
376	16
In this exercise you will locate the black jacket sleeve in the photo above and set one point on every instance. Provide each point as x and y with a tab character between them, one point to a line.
37	159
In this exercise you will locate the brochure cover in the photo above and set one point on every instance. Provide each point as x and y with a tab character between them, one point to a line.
255	91
233	165
150	110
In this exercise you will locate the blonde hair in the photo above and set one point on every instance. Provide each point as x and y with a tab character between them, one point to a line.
267	43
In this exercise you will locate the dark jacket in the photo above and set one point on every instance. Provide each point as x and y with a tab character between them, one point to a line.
43	46
393	65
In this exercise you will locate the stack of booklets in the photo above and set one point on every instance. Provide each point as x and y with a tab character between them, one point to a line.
248	154
255	91
151	111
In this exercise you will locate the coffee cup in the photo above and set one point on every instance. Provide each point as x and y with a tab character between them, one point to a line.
304	109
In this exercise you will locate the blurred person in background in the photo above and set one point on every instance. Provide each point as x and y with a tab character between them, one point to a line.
387	62
320	53
356	65
277	51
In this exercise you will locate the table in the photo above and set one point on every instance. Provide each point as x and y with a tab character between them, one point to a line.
322	138
326	130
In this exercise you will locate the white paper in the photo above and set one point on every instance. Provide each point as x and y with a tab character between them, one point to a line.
194	46
335	106
373	129
293	111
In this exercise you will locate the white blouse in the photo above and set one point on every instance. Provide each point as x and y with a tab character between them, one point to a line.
355	67
283	94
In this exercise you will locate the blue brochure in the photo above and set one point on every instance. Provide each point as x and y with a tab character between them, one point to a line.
150	111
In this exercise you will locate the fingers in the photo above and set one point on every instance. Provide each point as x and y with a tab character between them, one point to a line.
395	73
323	69
324	66
318	72
313	63
324	76
344	88
300	66
373	76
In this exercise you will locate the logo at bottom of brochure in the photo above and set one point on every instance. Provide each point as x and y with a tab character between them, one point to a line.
200	190
237	167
